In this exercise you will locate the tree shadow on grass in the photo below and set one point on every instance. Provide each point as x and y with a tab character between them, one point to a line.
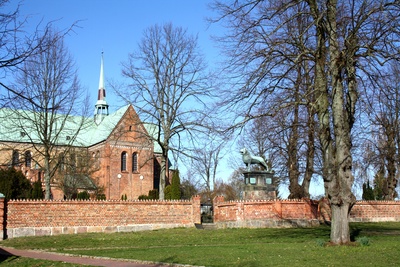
6	256
354	233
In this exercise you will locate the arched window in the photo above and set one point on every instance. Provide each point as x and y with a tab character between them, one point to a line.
97	159
134	162
15	158
61	162
28	159
123	161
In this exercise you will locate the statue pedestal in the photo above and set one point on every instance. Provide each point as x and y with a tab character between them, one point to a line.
259	185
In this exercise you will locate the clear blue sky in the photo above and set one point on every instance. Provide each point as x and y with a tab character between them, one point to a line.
116	27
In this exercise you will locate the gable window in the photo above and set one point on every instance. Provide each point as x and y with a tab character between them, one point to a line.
28	159
123	161
134	162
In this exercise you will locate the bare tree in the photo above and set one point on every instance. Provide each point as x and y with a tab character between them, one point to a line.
343	41
52	96
205	161
16	46
167	82
383	151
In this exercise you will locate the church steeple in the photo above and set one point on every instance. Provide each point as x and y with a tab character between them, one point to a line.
101	107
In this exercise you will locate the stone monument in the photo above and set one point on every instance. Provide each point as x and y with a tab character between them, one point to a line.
259	184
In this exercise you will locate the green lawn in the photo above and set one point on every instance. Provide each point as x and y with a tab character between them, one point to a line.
26	262
232	247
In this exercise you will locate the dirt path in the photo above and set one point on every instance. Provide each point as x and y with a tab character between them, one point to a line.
93	261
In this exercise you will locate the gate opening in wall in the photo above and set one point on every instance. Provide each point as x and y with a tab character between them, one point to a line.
207	215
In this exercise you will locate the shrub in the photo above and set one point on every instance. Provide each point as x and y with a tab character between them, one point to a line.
153	194
101	197
320	243
363	241
83	195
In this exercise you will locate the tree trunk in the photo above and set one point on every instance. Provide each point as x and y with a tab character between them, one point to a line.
296	191
164	166
163	174
391	161
340	230
47	179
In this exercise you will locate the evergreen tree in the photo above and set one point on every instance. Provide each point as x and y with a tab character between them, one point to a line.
176	186
14	185
37	192
167	192
368	192
379	185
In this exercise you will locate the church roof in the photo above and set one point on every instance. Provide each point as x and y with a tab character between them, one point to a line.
19	126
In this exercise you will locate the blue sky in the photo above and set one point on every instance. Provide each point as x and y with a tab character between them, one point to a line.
116	27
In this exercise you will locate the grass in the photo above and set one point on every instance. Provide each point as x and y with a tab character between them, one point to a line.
232	247
26	262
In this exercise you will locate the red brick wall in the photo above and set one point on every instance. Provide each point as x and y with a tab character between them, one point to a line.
26	218
263	213
375	211
282	213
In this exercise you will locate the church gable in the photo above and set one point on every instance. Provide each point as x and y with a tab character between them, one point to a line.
130	129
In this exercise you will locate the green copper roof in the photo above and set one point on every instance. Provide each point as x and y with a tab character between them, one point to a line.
19	126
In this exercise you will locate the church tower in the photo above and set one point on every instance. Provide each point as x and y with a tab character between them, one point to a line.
101	107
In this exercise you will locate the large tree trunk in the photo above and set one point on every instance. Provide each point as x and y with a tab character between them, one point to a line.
343	105
340	231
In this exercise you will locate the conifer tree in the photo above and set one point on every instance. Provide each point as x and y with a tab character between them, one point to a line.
176	186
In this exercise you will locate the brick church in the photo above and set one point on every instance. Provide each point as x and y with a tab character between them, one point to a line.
112	154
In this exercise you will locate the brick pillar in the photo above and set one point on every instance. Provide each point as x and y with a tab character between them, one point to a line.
216	212
196	209
2	217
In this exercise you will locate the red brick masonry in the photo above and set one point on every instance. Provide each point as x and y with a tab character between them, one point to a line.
293	213
34	218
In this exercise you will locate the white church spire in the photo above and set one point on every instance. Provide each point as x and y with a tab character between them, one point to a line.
101	107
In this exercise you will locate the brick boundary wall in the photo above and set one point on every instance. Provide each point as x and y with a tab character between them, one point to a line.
375	211
294	213
38	218
265	213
